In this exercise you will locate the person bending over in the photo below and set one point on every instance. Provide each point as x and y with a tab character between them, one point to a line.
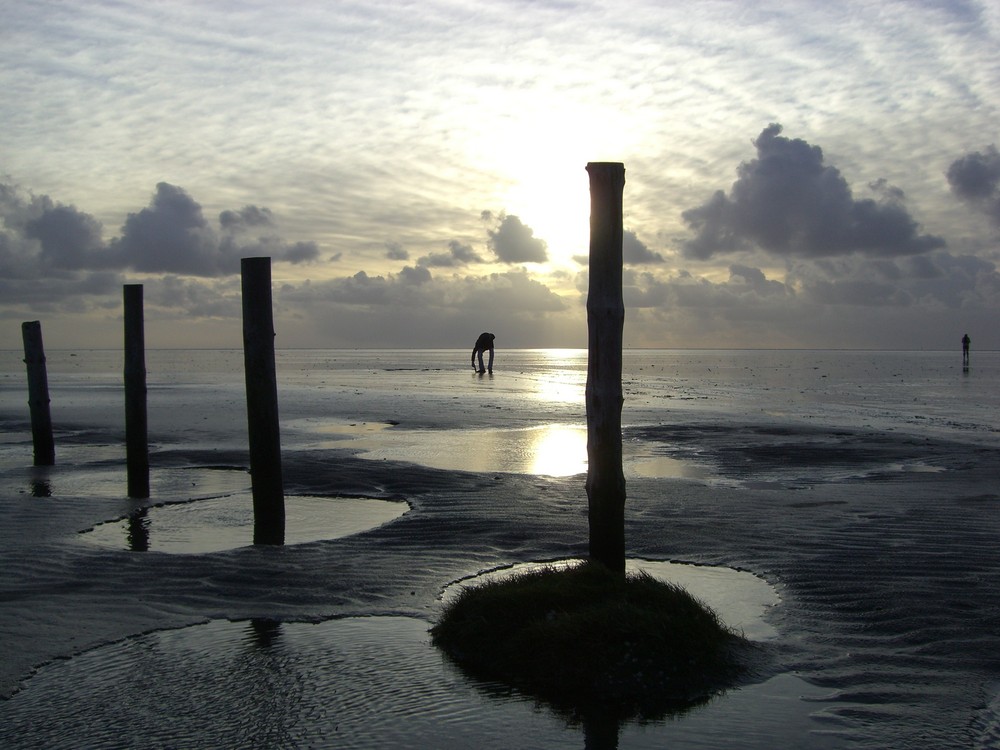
484	342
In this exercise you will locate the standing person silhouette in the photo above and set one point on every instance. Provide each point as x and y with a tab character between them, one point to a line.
484	342
965	349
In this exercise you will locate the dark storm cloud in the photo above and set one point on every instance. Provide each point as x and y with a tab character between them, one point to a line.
788	202
41	239
457	255
975	178
514	242
635	252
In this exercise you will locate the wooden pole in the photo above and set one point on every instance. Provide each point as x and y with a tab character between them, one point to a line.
262	403
38	394
136	429
605	323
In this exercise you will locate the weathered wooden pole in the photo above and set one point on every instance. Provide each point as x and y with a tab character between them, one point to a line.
136	429
605	323
262	403
38	394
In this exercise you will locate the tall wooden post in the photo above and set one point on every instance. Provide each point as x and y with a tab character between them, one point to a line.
262	403
38	394
136	429
605	324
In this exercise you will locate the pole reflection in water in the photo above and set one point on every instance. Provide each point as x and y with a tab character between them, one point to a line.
223	523
137	530
40	488
264	632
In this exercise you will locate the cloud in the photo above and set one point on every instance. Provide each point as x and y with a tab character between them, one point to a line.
788	202
746	289
171	235
248	216
753	279
415	308
936	281
513	241
67	293
69	239
635	252
418	276
395	251
42	239
975	179
457	255
194	297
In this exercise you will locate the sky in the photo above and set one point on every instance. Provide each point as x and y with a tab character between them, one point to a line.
799	174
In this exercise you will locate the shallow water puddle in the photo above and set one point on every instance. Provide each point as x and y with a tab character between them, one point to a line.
549	450
662	467
555	450
223	523
741	599
349	683
187	483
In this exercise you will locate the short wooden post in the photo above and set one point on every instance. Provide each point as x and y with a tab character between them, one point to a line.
605	324
136	428
262	403
38	394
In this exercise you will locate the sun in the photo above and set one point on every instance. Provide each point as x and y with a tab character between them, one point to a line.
545	156
556	205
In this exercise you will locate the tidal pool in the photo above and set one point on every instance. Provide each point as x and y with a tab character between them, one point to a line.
221	523
357	682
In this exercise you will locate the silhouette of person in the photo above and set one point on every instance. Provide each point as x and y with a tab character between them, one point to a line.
484	342
965	349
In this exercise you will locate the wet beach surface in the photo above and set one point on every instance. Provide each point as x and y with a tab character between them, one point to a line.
880	543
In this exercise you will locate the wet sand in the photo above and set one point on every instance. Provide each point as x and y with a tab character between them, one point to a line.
880	545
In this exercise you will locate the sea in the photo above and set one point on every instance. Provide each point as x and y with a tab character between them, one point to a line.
838	507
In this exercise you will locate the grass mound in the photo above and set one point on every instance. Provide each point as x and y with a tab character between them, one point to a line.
584	640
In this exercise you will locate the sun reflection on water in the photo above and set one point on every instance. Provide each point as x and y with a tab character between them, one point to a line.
558	450
546	450
559	376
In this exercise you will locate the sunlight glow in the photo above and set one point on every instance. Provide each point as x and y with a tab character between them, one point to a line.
559	379
559	451
546	153
557	208
551	450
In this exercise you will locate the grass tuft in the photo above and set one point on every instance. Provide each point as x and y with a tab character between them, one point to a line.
585	640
